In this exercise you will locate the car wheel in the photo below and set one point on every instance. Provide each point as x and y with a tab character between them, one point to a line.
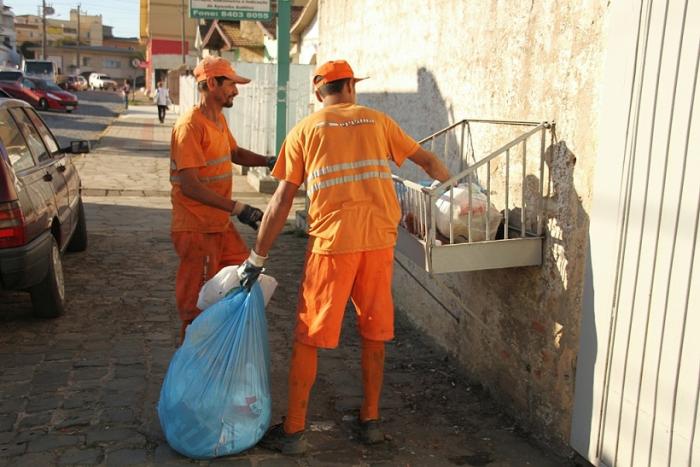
43	104
48	296
68	111
79	240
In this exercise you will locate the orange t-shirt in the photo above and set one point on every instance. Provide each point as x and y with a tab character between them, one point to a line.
342	153
197	142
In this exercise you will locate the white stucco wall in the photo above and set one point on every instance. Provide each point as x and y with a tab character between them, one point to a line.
432	63
309	43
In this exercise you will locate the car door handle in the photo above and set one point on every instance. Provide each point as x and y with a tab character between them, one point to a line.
48	177
61	168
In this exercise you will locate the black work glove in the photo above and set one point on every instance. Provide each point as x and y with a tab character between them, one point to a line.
251	216
250	270
271	161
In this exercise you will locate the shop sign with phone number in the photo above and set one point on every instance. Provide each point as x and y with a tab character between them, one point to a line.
256	10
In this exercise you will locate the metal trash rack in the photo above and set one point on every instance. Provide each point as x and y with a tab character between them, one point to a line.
521	209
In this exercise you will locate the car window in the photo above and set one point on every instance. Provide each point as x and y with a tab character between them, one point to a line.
28	84
45	133
17	150
10	75
51	86
39	84
30	135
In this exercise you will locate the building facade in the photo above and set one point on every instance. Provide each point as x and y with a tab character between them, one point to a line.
162	24
58	32
8	38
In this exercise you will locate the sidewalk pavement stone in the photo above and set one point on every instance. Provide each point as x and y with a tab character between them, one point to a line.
85	385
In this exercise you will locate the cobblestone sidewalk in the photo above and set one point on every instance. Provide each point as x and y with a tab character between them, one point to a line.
82	389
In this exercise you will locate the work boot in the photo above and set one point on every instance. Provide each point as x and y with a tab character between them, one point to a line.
277	440
370	432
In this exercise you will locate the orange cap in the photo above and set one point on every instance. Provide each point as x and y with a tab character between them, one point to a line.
212	67
333	71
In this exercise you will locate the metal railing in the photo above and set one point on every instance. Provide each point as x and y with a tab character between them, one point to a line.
418	202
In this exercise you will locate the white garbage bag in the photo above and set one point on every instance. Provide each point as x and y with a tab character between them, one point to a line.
225	282
460	214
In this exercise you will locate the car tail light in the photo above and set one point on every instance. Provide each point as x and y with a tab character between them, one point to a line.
12	231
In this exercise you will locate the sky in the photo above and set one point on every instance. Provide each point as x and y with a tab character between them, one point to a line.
123	15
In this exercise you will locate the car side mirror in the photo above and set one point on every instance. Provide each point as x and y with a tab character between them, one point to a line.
79	147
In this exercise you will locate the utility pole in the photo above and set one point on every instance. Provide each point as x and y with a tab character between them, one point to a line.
77	49
283	24
43	29
182	44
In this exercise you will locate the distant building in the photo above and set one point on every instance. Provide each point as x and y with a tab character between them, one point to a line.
59	31
233	40
161	35
116	62
8	38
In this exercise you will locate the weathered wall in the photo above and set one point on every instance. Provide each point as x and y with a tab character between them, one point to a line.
432	63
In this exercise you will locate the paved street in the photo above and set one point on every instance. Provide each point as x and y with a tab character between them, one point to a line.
82	389
96	110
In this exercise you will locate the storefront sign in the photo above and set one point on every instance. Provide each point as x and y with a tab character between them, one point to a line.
231	10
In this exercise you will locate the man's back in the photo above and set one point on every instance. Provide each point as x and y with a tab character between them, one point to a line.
342	153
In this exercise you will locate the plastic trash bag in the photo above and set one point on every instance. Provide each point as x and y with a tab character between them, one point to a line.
460	214
227	281
215	399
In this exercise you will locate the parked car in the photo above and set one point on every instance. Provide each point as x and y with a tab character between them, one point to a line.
41	211
102	81
22	88
52	97
73	83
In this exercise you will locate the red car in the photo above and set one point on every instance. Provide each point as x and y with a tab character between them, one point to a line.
16	85
41	209
39	93
53	97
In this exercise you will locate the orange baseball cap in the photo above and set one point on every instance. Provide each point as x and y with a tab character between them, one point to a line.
211	67
333	71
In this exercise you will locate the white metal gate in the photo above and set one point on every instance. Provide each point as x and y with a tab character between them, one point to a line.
252	118
638	371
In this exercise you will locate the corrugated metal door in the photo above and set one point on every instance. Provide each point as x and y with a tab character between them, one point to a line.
638	371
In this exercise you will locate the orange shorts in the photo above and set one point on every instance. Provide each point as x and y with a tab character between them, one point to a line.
202	255
328	282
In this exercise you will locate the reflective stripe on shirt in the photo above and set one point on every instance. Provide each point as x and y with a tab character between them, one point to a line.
175	179
347	179
346	166
220	160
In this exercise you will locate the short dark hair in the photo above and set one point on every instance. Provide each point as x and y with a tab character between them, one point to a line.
334	87
202	85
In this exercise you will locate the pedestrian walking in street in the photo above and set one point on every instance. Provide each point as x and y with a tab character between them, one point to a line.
202	149
125	91
342	154
162	99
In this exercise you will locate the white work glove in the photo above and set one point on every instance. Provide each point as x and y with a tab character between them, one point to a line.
250	270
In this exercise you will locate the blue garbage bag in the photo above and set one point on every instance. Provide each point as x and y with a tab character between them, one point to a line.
215	399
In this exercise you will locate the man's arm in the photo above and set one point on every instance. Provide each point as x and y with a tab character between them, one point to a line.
247	158
430	164
275	217
196	190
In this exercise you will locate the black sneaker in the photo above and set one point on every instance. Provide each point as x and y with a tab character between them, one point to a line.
277	440
371	433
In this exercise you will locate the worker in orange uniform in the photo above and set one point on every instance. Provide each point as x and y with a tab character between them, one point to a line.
201	151
342	154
